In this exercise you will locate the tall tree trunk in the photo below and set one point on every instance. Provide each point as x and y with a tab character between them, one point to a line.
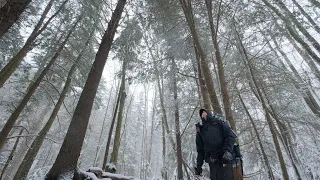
202	83
13	150
311	21
294	34
106	153
165	127
187	9
264	155
15	61
223	84
152	132
272	127
14	116
122	94
10	13
144	144
163	170
177	122
71	147
222	80
37	143
143	168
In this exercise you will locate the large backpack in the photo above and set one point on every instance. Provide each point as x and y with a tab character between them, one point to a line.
212	137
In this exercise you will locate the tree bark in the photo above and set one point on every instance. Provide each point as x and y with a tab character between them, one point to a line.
223	84
272	127
163	171
37	143
177	122
202	83
14	116
71	147
187	9
10	13
13	64
122	94
222	79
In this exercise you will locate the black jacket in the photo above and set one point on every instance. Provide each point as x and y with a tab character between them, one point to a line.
215	137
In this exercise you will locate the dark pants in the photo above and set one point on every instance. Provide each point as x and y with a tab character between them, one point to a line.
218	172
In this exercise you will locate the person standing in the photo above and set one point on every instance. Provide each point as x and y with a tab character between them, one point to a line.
215	140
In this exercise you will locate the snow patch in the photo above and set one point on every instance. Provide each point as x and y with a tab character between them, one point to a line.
120	176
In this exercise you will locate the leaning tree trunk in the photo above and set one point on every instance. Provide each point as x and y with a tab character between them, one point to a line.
284	137
122	94
26	142
95	162
106	153
177	122
257	90
315	3
187	9
306	15
15	61
70	151
36	145
294	34
313	41
14	116
264	155
306	57
308	97
10	13
306	94
13	150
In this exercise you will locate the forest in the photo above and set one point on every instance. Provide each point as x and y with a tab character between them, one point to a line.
111	89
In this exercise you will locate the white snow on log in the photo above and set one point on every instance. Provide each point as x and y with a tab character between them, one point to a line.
111	166
119	176
95	169
91	175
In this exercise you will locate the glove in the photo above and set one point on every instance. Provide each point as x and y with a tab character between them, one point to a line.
198	170
227	156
